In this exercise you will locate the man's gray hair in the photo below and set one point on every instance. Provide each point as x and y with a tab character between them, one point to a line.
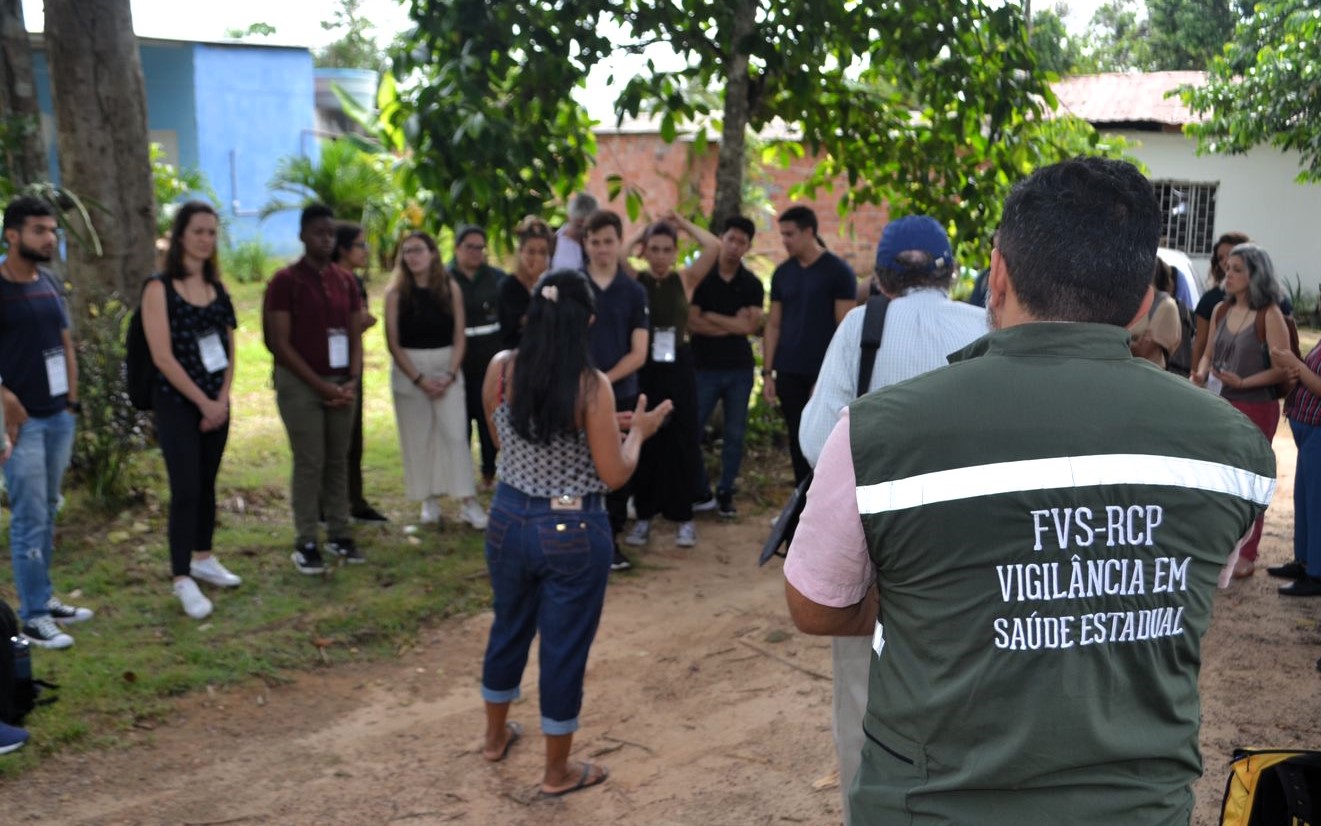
582	205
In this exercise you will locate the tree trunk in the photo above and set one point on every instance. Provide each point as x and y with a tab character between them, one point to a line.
738	107
101	127
24	159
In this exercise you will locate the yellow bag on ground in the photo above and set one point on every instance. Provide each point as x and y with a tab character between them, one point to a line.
1273	787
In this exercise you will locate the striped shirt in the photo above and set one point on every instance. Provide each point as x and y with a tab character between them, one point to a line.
1303	406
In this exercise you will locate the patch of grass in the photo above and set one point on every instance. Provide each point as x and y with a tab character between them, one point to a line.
140	651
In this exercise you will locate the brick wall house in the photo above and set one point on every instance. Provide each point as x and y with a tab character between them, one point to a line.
667	175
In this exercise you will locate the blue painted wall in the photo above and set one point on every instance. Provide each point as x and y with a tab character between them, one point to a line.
167	69
254	106
236	110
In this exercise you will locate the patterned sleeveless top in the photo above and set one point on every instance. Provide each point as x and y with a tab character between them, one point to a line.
564	467
189	323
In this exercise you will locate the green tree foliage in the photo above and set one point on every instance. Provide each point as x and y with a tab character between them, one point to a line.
1057	50
484	105
174	184
1189	34
1166	35
926	104
1119	38
1266	87
356	48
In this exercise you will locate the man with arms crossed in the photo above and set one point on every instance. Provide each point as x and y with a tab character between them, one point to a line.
914	267
810	295
726	308
1036	587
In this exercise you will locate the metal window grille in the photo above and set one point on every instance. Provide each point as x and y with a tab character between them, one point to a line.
1188	213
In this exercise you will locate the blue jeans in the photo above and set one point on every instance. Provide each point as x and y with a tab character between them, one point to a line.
548	573
33	475
1307	497
731	388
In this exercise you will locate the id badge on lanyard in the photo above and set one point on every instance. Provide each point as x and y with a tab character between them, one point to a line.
338	339
212	350
57	372
664	342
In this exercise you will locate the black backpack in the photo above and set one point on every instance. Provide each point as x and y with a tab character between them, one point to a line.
782	530
19	692
139	370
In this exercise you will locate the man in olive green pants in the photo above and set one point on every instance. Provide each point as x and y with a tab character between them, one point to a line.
312	324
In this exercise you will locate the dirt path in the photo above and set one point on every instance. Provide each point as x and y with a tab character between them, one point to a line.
705	705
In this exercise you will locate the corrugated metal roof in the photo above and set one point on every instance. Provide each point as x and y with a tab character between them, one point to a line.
1128	98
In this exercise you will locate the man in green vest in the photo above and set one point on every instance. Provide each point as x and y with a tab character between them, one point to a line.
1036	586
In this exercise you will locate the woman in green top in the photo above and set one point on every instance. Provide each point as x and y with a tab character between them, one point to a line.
663	483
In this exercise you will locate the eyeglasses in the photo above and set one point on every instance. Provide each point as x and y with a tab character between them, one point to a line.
473	247
361	245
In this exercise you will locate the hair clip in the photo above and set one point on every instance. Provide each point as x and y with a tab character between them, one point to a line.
550	292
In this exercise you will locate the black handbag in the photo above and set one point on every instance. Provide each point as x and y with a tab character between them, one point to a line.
782	531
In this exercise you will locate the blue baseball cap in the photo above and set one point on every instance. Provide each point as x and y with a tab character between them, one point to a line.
913	232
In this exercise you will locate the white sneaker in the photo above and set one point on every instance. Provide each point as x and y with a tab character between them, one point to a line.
686	536
431	511
195	603
210	570
640	533
472	513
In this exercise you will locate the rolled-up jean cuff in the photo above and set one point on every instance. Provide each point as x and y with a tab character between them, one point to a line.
507	696
558	727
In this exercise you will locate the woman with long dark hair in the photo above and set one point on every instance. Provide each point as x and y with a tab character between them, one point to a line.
1237	363
424	331
189	323
549	543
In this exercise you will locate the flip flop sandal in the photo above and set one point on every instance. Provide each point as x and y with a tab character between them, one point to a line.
515	734
584	782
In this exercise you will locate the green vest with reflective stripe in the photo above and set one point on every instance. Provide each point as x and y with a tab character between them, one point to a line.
1048	517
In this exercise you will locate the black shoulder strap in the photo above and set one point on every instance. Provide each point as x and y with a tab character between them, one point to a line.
873	325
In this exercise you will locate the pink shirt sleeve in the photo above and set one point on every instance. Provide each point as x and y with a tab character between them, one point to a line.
828	561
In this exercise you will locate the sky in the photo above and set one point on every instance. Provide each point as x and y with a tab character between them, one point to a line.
298	23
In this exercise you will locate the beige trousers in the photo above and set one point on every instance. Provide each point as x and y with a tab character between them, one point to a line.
433	434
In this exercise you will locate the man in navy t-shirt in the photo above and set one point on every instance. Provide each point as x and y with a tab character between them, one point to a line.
617	338
40	394
810	295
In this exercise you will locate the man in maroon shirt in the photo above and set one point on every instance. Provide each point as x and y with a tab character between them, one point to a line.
311	323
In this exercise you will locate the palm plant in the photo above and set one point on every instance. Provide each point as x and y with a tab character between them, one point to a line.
354	183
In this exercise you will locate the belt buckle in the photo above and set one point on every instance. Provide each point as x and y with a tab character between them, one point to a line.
565	502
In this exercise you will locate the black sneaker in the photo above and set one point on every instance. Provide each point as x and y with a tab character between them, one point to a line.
307	559
620	562
44	633
67	613
367	513
346	550
725	505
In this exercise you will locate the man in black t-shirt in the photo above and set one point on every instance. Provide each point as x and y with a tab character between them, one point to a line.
724	310
811	293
